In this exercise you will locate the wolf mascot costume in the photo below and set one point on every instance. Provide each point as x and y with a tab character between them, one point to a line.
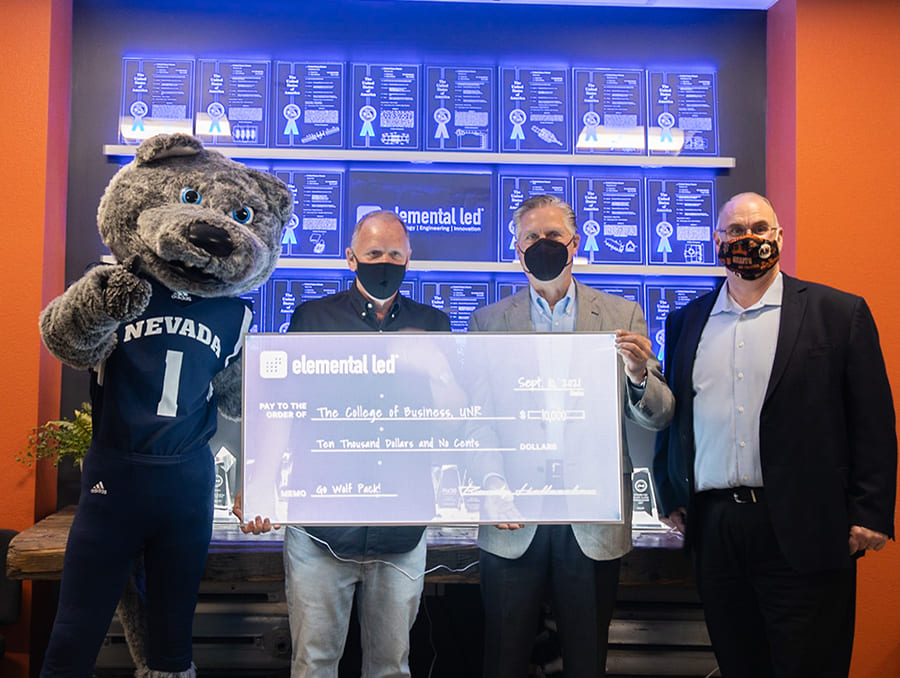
160	332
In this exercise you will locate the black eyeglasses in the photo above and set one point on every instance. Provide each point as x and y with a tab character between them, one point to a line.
733	232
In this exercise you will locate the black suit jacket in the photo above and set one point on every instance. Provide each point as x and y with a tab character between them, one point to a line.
828	444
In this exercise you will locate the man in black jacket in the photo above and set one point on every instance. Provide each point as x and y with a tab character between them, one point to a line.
780	463
381	567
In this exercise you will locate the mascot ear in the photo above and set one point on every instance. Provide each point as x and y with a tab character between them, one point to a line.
166	146
277	195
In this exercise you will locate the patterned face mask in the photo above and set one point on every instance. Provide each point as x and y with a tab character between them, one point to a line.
750	256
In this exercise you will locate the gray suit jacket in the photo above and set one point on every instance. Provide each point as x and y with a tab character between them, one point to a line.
597	312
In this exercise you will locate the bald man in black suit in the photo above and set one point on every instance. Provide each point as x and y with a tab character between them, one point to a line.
780	464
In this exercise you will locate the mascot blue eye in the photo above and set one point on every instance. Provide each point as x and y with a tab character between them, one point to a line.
191	196
242	215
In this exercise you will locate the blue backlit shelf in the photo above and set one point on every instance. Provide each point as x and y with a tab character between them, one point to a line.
436	157
514	267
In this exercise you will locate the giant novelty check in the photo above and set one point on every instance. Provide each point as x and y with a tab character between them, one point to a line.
418	428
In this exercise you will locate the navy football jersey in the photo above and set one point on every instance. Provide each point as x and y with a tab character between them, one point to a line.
153	394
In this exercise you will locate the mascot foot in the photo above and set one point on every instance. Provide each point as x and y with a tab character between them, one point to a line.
150	673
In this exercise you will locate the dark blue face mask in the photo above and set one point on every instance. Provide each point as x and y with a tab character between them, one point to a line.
546	258
381	280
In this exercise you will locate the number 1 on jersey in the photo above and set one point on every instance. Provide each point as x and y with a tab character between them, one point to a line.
168	401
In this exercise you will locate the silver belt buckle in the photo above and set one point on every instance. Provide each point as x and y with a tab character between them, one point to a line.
737	499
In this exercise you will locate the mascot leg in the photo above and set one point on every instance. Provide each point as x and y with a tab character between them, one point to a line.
174	560
132	612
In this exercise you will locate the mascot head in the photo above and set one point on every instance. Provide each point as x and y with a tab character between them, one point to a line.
199	222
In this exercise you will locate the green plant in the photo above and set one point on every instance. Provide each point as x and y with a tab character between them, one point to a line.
60	438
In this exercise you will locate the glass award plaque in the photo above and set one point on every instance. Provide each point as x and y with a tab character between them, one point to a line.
682	117
608	214
460	109
385	101
314	229
232	102
680	222
157	98
609	111
309	105
535	110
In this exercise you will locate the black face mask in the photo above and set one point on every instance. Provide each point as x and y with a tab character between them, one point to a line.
749	257
381	280
547	258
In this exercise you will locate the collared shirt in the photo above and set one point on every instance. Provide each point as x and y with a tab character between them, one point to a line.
731	373
351	311
560	319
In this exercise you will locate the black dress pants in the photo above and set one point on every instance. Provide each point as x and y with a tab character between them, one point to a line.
582	593
765	618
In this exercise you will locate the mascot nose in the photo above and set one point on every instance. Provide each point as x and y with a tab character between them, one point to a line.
213	239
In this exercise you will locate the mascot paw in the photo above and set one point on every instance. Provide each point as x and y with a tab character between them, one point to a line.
127	295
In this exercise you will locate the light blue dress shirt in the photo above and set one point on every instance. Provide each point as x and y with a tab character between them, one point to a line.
731	373
560	319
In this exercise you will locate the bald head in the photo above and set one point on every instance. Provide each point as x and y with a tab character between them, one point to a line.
748	240
379	237
379	220
741	203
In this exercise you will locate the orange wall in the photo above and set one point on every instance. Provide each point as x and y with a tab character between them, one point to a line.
34	86
833	157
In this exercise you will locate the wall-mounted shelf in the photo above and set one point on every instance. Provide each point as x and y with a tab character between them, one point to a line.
499	267
425	158
514	267
432	157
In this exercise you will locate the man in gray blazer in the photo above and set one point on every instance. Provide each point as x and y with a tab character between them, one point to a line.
577	564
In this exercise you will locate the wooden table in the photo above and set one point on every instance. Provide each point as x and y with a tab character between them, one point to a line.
657	624
37	553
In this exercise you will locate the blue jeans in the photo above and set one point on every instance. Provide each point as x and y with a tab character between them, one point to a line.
320	590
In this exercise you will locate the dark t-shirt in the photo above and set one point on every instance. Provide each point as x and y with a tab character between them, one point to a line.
350	311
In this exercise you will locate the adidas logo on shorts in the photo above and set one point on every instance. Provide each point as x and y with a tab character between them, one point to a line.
98	488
